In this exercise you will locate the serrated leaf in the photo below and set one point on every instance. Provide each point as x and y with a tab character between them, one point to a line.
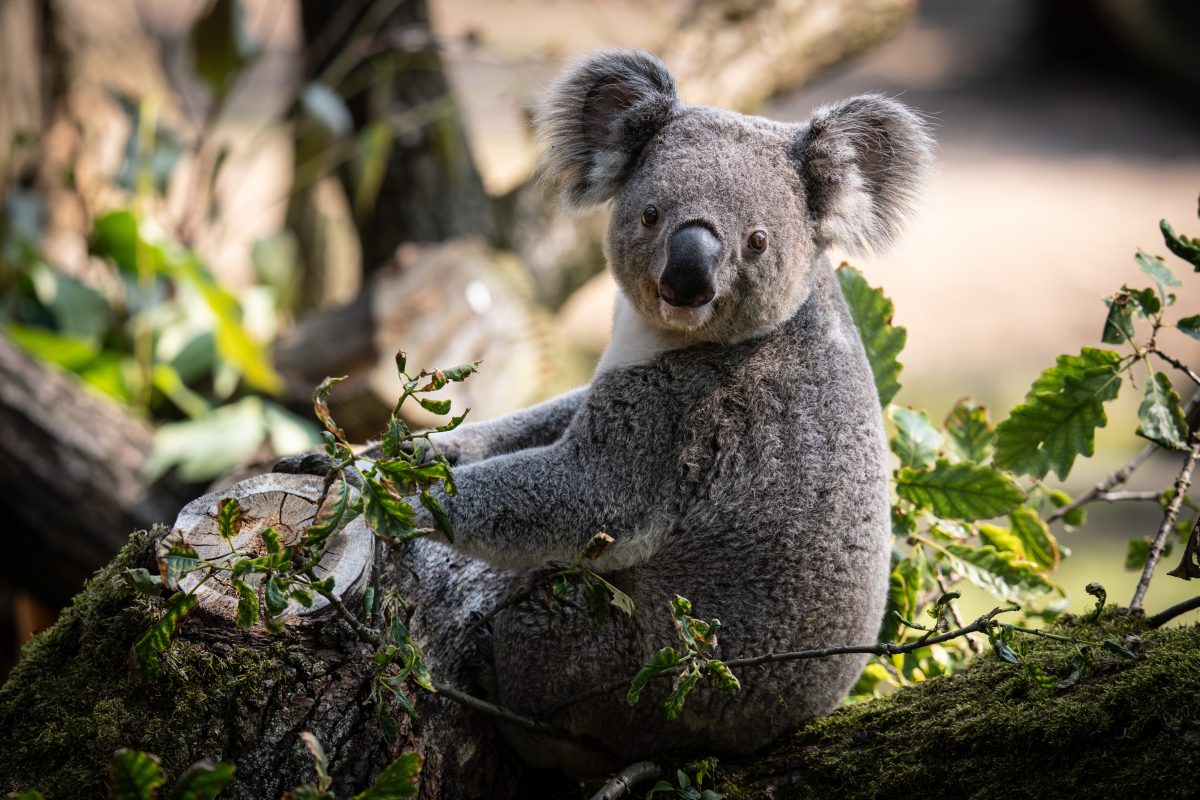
204	780
388	515
962	491
723	677
1005	575
660	662
439	515
904	587
1185	247
680	689
872	313
616	598
1002	539
247	608
438	407
333	515
1161	416
1038	543
917	441
275	592
1190	326
1144	301
1060	415
394	438
397	781
453	423
460	372
1158	270
229	518
178	559
970	432
134	775
155	641
1137	552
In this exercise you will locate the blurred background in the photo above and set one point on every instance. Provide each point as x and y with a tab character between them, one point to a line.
210	206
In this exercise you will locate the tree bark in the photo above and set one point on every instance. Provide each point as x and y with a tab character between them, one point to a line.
69	483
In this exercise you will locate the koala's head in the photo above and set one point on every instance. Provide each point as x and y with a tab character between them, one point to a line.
717	217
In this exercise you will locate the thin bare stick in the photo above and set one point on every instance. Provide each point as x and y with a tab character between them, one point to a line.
623	782
1120	476
1179	365
1165	616
1129	497
499	712
980	625
1182	484
956	618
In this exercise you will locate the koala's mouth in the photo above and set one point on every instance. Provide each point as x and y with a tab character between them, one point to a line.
683	318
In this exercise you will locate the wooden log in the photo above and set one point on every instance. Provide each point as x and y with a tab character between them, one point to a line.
69	478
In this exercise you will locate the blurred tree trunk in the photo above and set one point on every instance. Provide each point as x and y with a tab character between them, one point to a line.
410	177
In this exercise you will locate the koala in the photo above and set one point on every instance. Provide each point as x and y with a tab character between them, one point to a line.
731	440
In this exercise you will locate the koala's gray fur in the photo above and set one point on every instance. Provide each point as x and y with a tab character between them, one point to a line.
735	451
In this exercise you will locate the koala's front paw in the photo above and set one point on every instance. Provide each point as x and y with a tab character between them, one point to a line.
303	464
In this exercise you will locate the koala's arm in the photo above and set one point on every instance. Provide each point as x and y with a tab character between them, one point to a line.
523	509
530	427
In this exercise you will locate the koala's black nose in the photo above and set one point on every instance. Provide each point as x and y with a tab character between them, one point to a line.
689	279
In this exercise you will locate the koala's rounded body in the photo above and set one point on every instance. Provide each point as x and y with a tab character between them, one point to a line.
732	440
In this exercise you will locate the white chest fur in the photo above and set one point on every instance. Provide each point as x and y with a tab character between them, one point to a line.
635	341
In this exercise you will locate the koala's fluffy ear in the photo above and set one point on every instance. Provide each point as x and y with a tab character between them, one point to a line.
597	117
863	161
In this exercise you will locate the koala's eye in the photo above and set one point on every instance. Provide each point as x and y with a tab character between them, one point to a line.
650	216
757	241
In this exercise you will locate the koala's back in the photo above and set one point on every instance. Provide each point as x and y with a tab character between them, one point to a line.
757	484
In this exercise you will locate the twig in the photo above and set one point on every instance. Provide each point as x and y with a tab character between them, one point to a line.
980	625
1182	484
1163	617
624	781
1129	497
1179	365
1120	476
954	616
363	632
499	712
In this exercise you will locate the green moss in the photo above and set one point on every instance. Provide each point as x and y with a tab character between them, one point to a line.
1131	729
75	696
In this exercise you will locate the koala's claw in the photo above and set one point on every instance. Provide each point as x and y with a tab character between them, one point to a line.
303	464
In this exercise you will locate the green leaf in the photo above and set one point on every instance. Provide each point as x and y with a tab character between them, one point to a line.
204	780
155	641
270	540
1118	325
203	448
371	153
1005	575
461	372
134	775
1185	247
970	432
904	587
332	516
143	582
439	515
72	353
1190	326
960	491
595	547
1038	544
394	438
1004	650
1157	269
275	592
663	660
177	561
229	518
320	761
917	441
247	609
1059	417
221	46
388	515
1144	301
616	598
872	314
1137	552
26	795
723	677
439	407
1002	539
684	683
398	780
1161	415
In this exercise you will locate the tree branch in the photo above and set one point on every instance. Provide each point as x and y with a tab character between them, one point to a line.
980	625
1179	365
1165	616
1120	476
1182	484
623	782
